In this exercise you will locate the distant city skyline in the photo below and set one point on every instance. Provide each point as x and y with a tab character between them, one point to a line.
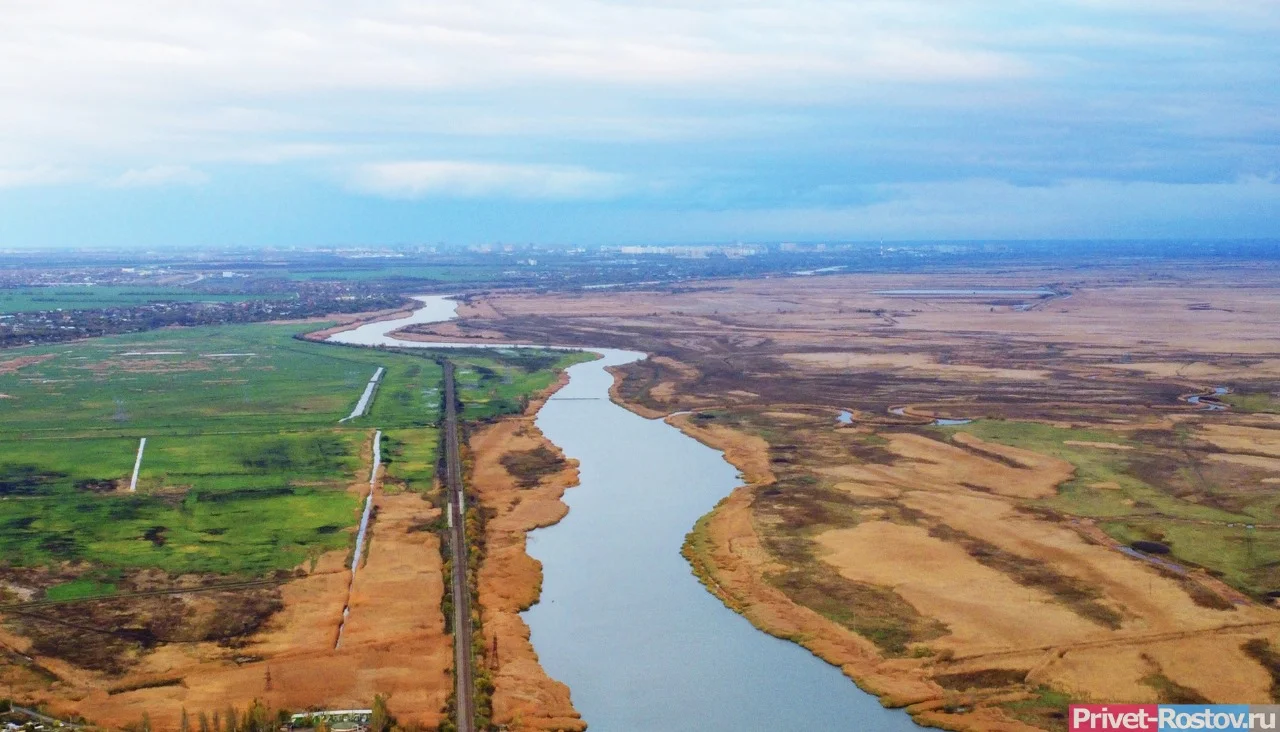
586	122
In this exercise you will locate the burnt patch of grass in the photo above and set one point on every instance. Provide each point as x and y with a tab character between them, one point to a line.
22	523
868	450
992	455
96	649
1046	710
1077	596
796	507
876	613
987	678
94	485
1199	594
1171	692
27	480
1261	650
59	546
529	467
111	635
147	684
240	494
156	535
639	378
320	452
1171	476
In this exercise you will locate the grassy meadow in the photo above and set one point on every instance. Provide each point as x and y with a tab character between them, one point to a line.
237	378
30	299
247	470
492	384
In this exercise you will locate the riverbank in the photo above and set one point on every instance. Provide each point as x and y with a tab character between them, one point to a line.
620	609
727	556
1155	639
510	581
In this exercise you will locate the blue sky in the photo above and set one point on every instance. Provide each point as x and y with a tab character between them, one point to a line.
272	122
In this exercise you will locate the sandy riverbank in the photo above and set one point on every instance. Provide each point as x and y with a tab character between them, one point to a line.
510	581
1162	633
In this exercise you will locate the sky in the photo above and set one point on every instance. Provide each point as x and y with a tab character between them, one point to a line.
158	123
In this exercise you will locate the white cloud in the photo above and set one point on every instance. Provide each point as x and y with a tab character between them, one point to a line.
460	179
160	175
36	176
178	81
657	89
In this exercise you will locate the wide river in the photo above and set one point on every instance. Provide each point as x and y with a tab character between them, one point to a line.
622	620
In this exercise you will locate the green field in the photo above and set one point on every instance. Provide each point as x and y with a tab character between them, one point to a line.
235	378
30	299
1160	489
490	384
410	457
76	589
247	470
496	383
1253	402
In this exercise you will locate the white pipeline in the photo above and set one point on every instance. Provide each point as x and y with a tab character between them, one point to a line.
363	530
362	406
137	465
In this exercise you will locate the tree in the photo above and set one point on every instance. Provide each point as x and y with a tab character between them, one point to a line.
231	720
381	719
258	718
203	722
184	724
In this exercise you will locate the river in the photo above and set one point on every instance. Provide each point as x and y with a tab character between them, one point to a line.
622	620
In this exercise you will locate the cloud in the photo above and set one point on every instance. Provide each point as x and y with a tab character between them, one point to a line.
460	179
37	176
746	106
183	82
159	176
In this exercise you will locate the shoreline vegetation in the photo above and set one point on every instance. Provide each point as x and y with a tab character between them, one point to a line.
1082	459
520	477
739	583
520	680
510	581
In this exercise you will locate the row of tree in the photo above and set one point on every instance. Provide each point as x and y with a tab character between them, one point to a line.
260	717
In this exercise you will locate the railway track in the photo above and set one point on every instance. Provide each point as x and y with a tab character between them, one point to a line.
462	631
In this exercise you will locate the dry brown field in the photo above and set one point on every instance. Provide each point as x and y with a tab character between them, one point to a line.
389	646
1105	529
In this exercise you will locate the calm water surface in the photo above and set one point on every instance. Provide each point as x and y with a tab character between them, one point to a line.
641	644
